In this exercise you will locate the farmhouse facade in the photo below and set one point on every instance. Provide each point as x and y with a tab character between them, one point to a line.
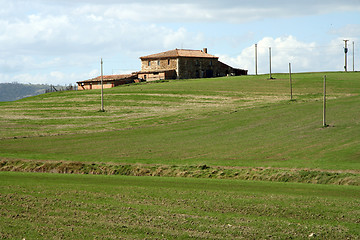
173	64
184	64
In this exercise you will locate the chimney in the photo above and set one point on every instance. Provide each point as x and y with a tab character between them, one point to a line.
205	50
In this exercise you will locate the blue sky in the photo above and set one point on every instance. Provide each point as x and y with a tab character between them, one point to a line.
62	41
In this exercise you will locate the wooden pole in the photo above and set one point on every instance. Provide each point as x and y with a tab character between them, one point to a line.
353	56
256	63
291	93
324	104
346	51
270	61
102	88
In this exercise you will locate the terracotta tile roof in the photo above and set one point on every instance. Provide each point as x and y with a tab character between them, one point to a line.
110	78
179	53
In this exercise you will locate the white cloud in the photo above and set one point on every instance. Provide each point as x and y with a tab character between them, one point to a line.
348	31
229	11
170	11
56	43
179	38
55	77
205	10
303	56
49	34
34	34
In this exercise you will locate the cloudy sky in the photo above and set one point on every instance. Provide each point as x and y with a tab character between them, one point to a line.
62	41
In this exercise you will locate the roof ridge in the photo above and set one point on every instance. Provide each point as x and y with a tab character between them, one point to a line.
179	53
110	77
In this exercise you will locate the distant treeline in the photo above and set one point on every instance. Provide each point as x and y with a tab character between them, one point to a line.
16	91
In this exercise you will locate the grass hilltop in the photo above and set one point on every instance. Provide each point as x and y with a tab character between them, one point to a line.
209	139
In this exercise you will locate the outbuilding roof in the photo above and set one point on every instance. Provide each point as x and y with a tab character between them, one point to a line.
179	53
110	78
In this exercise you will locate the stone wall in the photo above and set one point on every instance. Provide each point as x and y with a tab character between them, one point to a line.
159	64
161	75
96	85
198	67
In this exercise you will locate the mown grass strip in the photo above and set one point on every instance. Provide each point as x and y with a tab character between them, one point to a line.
69	206
200	171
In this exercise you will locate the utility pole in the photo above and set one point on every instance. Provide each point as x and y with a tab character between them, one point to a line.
346	51
102	88
291	93
270	61
353	56
324	104
256	63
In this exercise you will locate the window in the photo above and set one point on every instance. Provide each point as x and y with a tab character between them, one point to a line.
149	63
197	62
168	61
211	63
158	62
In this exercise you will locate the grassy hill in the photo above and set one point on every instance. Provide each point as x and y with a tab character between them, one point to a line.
236	121
225	130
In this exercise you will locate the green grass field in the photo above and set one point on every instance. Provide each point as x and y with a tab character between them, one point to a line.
238	121
53	206
231	128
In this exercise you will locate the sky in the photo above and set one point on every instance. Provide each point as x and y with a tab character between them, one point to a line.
63	41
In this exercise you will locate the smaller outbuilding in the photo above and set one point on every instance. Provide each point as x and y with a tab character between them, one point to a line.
109	81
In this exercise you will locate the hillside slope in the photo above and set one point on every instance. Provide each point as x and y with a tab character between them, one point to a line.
237	121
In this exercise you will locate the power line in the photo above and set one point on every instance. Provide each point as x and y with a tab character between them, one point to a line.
265	48
301	48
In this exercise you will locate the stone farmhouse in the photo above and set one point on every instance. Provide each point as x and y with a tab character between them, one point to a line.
173	64
184	64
